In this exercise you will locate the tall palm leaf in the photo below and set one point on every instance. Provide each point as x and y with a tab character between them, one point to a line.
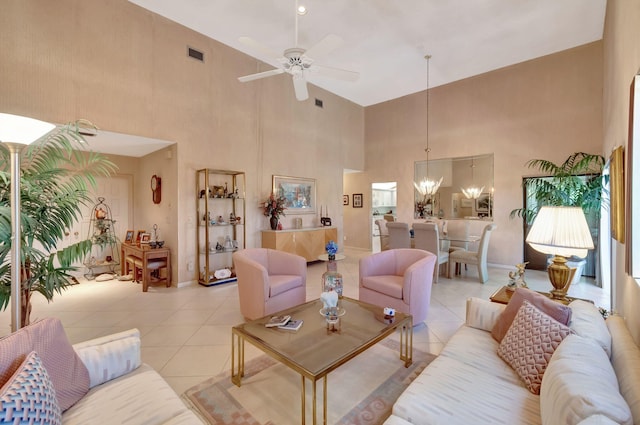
578	181
57	174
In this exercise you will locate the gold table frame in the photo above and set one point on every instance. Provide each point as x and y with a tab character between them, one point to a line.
313	351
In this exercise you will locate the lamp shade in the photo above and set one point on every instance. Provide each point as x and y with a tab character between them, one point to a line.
22	130
560	231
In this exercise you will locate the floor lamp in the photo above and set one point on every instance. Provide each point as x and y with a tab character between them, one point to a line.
16	132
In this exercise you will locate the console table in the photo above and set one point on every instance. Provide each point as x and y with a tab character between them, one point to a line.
146	254
308	243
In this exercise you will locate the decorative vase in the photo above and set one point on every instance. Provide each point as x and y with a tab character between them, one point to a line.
274	222
332	279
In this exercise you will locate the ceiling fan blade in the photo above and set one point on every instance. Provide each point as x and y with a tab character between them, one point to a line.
300	87
324	46
260	75
337	73
257	47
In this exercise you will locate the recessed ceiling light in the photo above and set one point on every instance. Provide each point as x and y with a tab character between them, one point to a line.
302	10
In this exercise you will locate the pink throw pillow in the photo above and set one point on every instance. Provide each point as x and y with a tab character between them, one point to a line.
530	342
558	311
68	374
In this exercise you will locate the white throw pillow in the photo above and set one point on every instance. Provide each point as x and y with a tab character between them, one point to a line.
483	314
109	357
587	322
579	383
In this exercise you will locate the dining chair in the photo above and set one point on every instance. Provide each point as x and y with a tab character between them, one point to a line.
427	238
479	257
384	234
399	236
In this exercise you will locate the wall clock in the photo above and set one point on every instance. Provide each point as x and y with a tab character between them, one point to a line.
156	189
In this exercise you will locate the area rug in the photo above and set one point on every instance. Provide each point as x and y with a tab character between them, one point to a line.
360	392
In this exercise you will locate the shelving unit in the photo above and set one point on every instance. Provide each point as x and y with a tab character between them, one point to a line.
104	255
220	198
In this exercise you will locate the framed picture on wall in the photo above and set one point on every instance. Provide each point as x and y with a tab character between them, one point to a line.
300	193
345	199
357	200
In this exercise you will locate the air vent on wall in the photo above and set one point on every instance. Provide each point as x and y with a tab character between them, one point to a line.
196	54
319	103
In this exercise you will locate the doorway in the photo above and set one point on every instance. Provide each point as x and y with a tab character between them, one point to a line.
383	207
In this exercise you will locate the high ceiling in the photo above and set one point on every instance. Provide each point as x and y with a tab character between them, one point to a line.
386	40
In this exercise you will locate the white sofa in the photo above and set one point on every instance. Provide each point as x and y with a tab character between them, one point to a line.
122	389
593	377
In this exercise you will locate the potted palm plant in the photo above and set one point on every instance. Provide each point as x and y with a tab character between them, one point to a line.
578	181
57	174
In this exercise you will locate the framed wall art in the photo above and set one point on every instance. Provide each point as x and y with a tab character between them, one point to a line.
357	200
616	182
300	194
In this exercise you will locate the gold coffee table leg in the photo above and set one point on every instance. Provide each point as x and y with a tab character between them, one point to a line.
406	344
324	400
236	378
303	402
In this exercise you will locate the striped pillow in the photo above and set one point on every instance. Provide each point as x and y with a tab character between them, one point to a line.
29	397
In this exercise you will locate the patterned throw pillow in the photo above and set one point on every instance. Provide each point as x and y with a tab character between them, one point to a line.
68	374
28	397
560	312
530	342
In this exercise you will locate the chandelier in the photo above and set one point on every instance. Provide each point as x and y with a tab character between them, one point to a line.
472	192
428	187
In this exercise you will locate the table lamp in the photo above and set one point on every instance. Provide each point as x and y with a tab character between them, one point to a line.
16	132
562	232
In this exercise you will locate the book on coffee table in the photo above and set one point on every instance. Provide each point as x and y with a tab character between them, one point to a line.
276	321
291	325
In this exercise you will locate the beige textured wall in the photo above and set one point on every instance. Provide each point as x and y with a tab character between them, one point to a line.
126	69
545	108
621	63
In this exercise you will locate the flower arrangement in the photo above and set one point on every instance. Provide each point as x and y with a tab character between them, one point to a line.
332	249
274	206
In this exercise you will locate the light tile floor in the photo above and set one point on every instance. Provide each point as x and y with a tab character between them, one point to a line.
186	332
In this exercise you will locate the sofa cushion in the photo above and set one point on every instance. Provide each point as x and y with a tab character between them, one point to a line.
68	374
579	383
587	322
625	359
449	392
559	312
139	397
530	342
28	396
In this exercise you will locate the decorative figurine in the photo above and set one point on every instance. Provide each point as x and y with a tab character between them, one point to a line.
516	278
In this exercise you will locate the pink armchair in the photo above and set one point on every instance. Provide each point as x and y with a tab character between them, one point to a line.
269	281
398	278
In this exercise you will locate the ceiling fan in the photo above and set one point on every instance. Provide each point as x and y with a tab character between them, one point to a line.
298	62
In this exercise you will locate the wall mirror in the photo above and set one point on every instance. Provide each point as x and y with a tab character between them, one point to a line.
459	176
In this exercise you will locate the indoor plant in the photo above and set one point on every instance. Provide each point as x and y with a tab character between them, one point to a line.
56	175
578	181
274	207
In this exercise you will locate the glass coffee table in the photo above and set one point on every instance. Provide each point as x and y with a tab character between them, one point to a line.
314	351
